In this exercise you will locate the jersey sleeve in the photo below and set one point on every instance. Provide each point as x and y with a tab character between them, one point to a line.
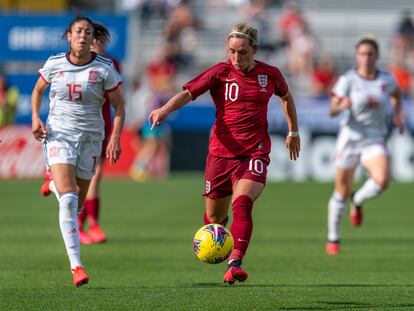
392	84
341	87
202	83
113	79
281	87
46	71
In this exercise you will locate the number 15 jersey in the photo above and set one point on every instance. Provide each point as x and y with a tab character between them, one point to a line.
241	100
77	93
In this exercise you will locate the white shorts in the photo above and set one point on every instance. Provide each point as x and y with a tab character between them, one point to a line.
83	155
350	152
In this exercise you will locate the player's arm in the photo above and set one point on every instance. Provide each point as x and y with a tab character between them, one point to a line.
179	100
113	150
338	104
38	127
292	139
397	118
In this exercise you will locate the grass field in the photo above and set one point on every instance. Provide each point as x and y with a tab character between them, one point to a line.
148	264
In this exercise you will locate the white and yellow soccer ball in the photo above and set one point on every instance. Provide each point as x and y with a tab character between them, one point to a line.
213	243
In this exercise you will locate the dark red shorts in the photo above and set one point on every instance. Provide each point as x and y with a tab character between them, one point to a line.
222	173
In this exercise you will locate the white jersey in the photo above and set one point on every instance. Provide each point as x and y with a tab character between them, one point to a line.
77	95
370	101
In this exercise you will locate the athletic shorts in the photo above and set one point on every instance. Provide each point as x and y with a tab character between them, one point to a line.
160	132
349	153
83	155
222	173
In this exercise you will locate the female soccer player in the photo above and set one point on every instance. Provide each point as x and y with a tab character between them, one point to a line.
239	147
72	137
364	92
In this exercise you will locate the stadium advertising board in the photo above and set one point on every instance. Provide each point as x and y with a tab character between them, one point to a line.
36	37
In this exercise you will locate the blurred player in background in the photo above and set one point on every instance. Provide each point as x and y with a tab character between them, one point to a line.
91	207
72	137
365	93
236	166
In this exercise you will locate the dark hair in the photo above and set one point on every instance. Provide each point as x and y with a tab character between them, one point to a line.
101	34
99	31
370	41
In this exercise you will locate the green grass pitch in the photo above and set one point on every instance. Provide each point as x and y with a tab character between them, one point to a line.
148	263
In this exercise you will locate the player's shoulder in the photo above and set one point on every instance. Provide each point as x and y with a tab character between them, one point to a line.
105	61
268	69
383	74
56	58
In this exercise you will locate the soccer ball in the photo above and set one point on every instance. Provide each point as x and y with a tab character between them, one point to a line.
213	243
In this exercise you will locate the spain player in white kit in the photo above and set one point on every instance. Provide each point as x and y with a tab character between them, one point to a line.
365	93
73	134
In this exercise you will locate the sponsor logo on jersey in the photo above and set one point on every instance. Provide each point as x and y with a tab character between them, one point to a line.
93	76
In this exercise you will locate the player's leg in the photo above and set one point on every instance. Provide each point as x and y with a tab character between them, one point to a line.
64	176
375	160
343	186
92	206
245	193
217	210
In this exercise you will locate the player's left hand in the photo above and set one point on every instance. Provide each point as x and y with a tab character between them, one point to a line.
113	150
293	145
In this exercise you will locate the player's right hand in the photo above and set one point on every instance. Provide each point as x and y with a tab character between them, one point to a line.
156	117
38	129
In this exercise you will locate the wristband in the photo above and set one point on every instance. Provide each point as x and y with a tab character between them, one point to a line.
293	134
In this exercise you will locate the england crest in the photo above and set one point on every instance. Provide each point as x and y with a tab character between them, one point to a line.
262	80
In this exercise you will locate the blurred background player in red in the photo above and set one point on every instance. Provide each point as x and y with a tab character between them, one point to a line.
236	166
91	208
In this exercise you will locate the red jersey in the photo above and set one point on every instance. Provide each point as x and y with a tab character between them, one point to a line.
241	100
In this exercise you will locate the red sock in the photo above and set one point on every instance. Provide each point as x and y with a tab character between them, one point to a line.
92	210
81	218
242	225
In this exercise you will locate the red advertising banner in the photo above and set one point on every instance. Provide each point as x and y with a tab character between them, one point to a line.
20	154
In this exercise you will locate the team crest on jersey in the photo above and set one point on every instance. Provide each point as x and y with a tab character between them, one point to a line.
262	80
93	76
60	74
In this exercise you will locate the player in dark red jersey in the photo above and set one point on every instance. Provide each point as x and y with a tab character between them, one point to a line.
239	147
91	206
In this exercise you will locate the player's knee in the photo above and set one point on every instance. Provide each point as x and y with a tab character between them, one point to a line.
382	182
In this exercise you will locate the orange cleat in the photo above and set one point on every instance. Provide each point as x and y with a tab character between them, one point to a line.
85	238
79	276
44	189
333	248
96	234
235	273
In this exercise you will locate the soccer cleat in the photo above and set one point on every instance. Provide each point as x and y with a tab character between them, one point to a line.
96	234
235	272
333	248
85	238
355	215
79	276
44	189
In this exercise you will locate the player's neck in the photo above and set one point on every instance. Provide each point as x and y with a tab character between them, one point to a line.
368	73
80	59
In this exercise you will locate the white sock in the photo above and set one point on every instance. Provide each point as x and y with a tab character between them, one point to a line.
370	189
68	221
52	188
336	207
